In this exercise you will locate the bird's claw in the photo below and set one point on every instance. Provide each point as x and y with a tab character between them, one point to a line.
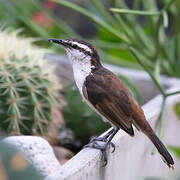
95	139
113	146
101	144
104	156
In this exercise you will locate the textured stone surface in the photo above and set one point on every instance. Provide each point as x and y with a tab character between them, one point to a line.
38	152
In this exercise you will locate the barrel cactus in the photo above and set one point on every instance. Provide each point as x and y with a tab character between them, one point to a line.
27	90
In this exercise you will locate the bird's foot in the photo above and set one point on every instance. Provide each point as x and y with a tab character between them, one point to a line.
102	143
102	140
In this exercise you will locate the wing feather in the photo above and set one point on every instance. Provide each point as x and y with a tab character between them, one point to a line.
109	98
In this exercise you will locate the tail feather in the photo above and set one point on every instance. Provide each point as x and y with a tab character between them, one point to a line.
162	150
142	124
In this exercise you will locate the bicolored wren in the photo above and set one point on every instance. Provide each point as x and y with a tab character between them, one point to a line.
108	96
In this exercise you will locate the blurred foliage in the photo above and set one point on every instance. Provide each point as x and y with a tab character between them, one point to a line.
82	119
154	38
35	17
152	178
177	109
14	166
144	27
175	149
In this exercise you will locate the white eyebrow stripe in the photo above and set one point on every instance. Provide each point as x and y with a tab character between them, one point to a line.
83	46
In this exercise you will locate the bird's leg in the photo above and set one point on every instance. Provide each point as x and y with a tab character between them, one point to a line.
102	143
102	138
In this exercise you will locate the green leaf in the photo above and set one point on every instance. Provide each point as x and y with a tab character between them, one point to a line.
100	7
157	69
165	19
108	45
94	17
177	109
175	150
152	178
135	12
141	61
110	59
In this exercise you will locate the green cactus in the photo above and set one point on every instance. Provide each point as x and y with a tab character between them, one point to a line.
14	166
27	95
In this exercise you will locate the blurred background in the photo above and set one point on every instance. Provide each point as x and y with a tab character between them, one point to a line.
145	39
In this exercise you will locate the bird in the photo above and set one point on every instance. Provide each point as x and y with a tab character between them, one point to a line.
108	96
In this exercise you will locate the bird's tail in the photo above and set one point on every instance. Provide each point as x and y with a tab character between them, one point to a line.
167	158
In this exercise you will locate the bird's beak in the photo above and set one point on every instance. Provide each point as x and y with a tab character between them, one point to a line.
58	41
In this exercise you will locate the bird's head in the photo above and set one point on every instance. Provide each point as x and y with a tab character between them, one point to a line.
79	51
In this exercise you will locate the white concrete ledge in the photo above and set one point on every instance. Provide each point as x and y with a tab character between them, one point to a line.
37	151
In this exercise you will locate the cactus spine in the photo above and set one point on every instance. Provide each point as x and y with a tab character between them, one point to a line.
27	93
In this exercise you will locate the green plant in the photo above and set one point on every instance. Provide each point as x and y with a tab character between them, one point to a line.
36	18
152	178
156	51
176	150
121	29
176	177
13	165
27	92
177	109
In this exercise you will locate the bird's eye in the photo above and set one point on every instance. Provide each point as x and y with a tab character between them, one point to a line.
93	68
75	46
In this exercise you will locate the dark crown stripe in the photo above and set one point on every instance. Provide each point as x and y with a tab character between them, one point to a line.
95	60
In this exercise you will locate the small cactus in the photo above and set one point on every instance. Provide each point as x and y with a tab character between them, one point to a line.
27	95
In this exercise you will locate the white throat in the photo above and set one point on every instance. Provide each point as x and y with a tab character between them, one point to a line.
81	65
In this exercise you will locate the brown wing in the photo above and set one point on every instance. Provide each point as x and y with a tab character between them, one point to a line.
109	95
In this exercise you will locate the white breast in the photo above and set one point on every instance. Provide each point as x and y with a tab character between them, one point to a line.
81	69
81	65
